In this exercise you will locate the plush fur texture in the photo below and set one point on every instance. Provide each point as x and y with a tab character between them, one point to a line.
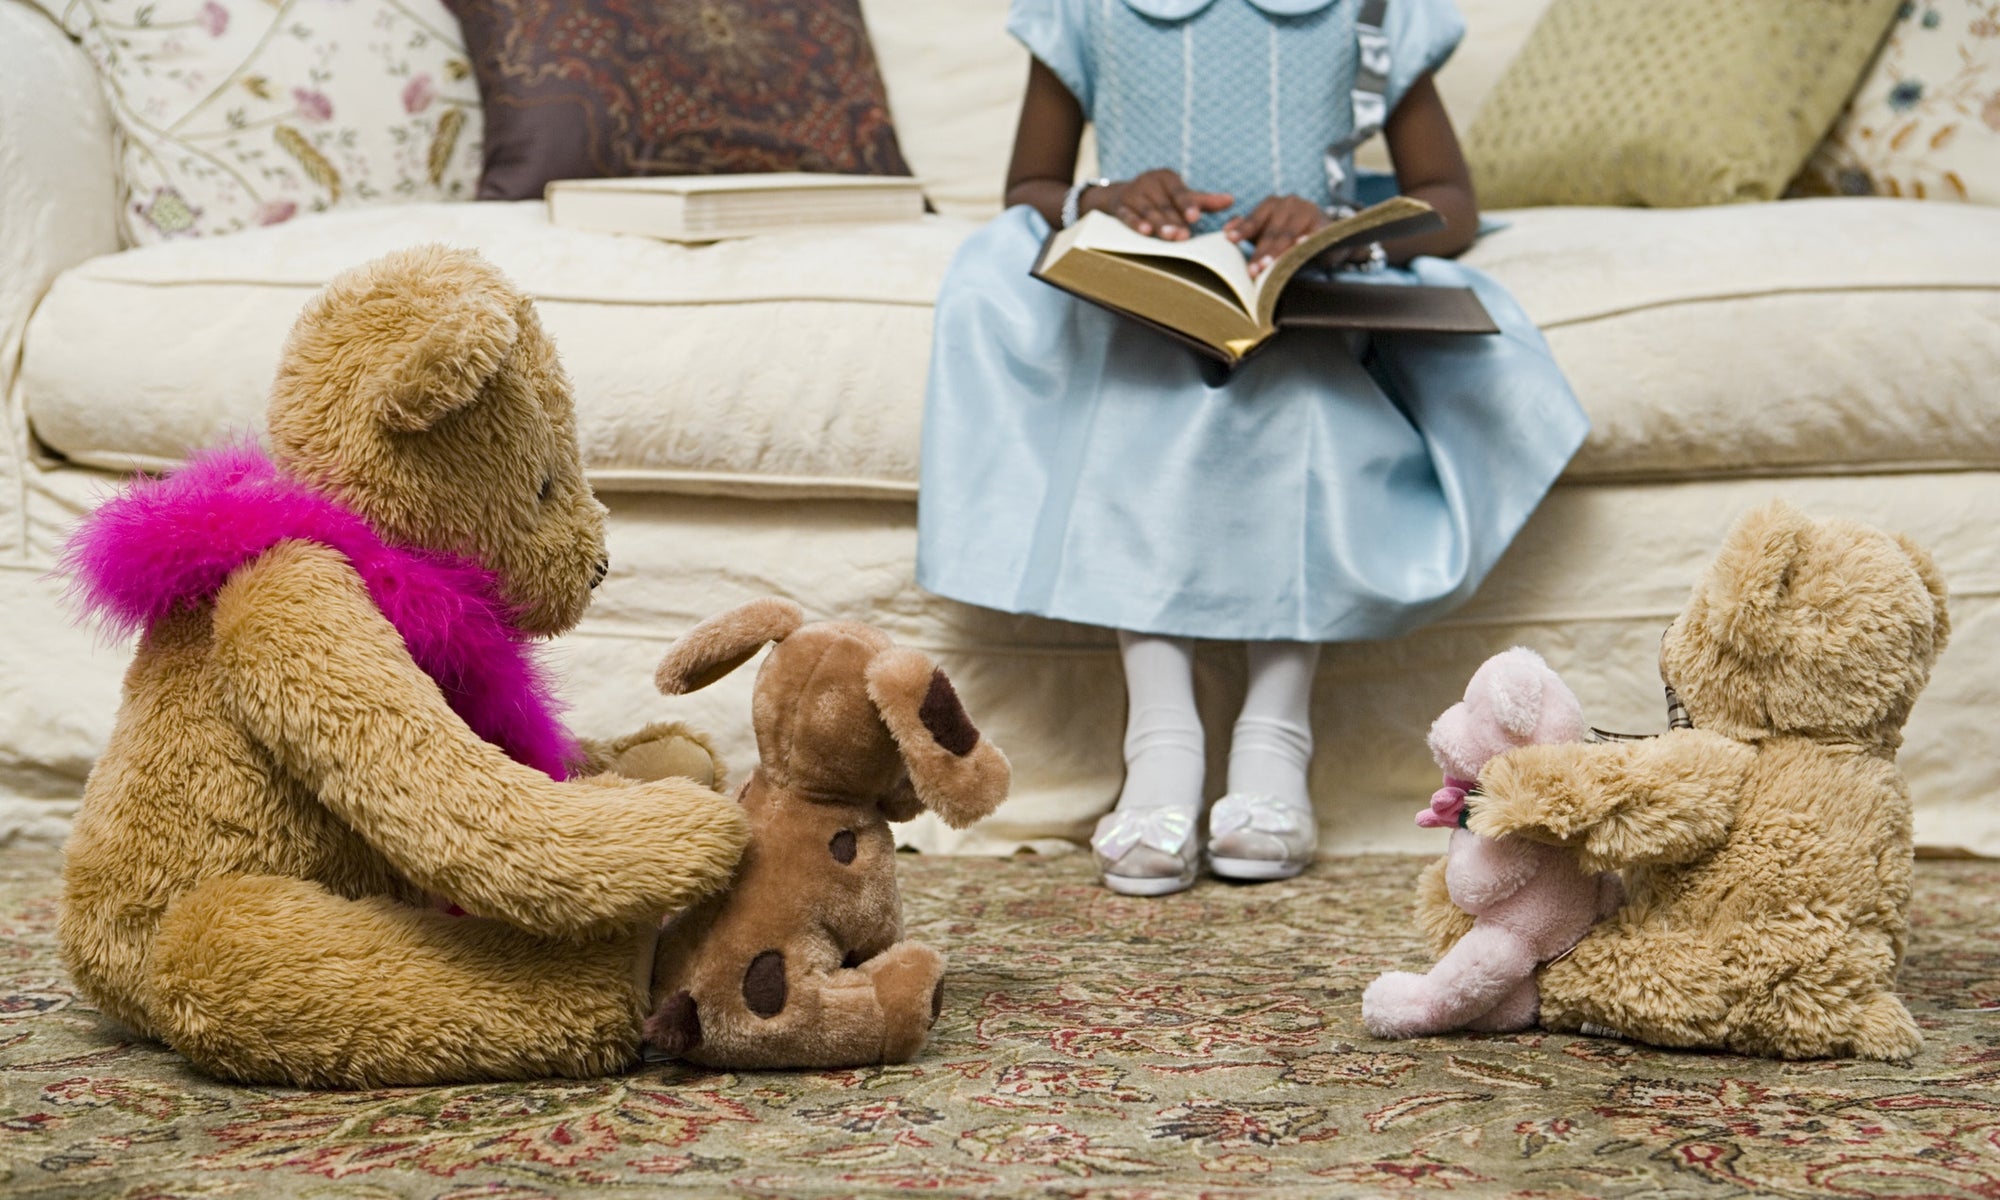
1523	902
1766	850
802	962
171	544
287	789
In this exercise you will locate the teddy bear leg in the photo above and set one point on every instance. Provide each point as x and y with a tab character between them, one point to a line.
880	1011
1484	968
1885	1030
267	979
1651	986
1825	1007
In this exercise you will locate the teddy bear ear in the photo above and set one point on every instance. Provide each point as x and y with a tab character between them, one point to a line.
1927	570
1749	584
955	772
725	642
469	319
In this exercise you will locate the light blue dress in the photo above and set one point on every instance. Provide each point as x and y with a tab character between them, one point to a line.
1075	464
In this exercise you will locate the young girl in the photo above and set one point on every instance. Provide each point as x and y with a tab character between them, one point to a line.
1081	466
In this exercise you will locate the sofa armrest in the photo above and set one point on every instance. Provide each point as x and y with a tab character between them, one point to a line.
58	169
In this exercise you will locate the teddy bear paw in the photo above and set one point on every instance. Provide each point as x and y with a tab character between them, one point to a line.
665	750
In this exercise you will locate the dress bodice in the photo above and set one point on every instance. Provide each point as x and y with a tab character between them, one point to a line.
1238	96
1235	99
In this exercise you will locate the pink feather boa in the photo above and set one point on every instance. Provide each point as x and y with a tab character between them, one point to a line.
168	544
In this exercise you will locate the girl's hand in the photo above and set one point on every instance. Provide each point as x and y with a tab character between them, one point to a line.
1157	203
1274	227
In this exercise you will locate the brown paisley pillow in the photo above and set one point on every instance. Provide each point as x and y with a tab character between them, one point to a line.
580	89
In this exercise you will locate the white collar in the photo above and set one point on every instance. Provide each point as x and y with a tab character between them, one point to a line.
1181	10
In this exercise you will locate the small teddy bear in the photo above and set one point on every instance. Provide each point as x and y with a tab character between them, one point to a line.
801	962
1527	902
1766	840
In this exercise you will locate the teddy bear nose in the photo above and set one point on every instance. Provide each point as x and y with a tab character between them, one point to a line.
603	569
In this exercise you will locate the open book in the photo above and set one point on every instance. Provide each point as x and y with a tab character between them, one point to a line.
706	208
1201	292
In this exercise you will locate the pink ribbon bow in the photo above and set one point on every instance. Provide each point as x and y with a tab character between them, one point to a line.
1446	804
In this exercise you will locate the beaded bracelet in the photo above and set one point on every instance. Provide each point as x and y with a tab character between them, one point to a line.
1074	198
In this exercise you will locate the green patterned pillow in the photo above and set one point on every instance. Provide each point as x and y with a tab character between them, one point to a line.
1669	103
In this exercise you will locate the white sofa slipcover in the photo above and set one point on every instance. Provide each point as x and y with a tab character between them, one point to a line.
750	412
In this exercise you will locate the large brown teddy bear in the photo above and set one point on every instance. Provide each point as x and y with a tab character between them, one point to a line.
327	844
802	962
1766	848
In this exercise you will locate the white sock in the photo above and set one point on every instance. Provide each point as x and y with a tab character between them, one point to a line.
1164	755
1272	744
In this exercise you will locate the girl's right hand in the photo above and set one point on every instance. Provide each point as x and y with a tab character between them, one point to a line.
1157	203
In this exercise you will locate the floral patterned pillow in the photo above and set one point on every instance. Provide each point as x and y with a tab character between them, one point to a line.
592	88
236	113
1926	120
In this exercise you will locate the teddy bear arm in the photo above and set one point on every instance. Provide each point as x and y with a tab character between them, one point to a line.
1668	799
320	679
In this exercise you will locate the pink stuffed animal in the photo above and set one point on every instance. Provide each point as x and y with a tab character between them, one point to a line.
1529	901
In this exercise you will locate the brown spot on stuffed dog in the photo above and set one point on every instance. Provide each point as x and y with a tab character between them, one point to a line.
802	962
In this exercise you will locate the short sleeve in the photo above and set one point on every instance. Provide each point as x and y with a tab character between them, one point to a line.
1054	31
1422	34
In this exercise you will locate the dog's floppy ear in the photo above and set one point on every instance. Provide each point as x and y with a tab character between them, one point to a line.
725	642
955	772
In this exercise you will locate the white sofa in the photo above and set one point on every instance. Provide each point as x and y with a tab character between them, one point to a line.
750	413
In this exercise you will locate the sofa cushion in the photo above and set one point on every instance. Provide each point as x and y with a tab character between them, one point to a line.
1795	337
1842	335
955	81
606	88
786	363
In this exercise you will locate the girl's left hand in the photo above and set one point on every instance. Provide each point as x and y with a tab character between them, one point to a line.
1274	227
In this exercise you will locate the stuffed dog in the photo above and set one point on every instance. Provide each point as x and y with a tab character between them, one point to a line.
801	962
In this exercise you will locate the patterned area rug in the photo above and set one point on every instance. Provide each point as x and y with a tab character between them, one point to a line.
1208	1044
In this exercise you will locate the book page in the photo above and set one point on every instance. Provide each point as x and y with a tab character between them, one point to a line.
1214	251
1398	216
1180	296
